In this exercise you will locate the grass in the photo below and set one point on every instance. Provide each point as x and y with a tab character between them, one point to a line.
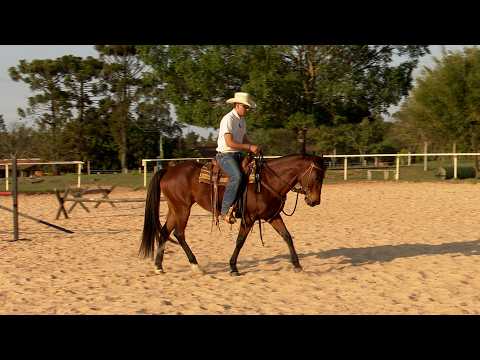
49	183
413	173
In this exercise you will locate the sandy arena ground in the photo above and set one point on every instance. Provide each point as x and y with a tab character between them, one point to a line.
369	248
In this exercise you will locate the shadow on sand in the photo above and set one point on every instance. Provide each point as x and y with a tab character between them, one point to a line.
373	254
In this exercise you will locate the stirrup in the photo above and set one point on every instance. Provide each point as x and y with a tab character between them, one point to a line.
229	218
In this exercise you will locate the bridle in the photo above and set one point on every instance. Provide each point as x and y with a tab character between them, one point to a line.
308	185
303	189
263	165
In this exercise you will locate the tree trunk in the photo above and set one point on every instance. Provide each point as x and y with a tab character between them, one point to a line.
123	150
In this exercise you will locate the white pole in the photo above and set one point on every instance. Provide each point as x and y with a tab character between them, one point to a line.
6	177
409	159
79	172
397	172
345	167
144	164
455	165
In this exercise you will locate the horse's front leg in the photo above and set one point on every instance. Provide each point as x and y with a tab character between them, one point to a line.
280	227
242	236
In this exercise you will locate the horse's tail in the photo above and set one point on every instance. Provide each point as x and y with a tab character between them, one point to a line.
151	225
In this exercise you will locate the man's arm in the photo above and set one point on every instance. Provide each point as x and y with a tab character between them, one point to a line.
244	146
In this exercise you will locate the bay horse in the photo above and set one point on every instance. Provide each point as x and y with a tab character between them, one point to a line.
181	188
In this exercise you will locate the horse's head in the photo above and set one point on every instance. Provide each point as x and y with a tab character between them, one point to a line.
311	180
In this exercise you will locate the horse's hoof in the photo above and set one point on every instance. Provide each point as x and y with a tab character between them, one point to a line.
159	271
234	273
297	269
196	269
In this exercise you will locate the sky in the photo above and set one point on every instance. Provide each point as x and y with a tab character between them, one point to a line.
15	94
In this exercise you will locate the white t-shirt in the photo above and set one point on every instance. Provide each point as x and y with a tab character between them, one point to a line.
234	124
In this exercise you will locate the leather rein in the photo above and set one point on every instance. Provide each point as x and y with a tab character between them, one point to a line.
289	187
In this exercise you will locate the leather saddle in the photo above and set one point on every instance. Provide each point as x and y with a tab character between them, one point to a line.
212	173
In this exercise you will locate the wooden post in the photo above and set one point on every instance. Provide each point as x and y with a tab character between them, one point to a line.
455	165
345	167
61	203
409	158
397	172
425	150
88	167
15	197
144	164
79	172
6	177
376	161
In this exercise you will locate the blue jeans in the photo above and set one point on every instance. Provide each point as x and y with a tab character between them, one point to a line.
230	163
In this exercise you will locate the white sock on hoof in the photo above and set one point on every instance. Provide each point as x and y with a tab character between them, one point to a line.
196	269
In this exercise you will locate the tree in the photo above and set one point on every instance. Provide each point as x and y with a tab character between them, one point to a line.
325	82
83	87
49	107
21	140
129	85
3	127
444	103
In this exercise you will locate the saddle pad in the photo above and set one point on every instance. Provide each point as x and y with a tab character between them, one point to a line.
223	178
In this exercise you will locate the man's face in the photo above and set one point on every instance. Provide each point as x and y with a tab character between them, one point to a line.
241	109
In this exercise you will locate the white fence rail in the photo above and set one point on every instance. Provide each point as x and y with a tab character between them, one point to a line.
345	161
78	163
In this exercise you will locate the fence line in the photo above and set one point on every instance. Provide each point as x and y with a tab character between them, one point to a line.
345	163
78	163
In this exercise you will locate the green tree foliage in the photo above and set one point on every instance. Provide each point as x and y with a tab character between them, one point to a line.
21	140
122	72
49	105
83	86
443	106
325	82
136	95
3	127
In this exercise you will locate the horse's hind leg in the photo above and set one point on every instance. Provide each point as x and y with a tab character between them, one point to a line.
181	224
280	227
166	231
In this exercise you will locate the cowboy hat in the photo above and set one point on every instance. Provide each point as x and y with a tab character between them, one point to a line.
242	98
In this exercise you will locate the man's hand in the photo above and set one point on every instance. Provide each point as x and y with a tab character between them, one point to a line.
255	149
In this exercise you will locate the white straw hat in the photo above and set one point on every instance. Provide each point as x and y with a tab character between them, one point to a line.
242	98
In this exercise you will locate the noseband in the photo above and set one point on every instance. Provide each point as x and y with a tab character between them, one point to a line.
308	173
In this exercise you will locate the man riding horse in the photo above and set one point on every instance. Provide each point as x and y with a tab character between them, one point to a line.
264	200
232	140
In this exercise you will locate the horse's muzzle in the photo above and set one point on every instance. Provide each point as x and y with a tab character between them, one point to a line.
312	203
